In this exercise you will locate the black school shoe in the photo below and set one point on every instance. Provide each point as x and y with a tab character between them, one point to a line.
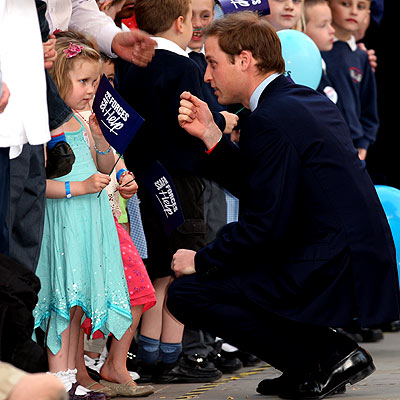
247	359
225	364
364	335
371	335
59	160
188	369
391	326
145	371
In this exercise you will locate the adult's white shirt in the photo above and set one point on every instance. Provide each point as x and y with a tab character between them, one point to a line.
82	16
25	119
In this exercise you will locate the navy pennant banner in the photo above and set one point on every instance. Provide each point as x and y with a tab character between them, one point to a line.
232	6
118	121
156	180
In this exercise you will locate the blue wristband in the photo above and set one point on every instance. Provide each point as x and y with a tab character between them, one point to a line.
68	194
120	172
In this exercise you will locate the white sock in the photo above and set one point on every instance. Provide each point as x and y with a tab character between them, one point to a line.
80	390
64	377
228	347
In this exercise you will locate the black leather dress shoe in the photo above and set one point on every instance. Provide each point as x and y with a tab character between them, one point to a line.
351	369
275	386
59	160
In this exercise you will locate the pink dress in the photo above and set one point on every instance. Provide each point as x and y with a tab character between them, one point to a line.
140	288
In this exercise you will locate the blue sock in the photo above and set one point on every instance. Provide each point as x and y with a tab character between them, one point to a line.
55	139
169	352
148	349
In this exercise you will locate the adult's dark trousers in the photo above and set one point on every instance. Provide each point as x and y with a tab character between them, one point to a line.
4	194
25	217
18	297
59	112
196	341
221	308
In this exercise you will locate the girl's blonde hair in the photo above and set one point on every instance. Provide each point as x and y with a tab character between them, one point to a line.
63	65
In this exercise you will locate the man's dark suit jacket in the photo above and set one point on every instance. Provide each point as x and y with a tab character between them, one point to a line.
312	242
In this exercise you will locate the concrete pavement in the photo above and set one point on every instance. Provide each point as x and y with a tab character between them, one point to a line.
383	384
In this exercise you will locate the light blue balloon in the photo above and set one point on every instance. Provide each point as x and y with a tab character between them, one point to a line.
390	200
303	62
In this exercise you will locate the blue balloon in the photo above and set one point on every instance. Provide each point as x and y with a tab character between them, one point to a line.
390	200
303	62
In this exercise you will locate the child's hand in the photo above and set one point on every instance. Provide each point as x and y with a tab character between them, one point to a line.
362	153
128	186
372	58
235	135
95	127
97	134
95	183
231	121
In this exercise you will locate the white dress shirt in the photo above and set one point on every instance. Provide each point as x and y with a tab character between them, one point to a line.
259	89
82	16
25	119
166	44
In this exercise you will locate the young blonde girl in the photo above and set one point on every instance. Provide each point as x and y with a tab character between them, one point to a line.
116	377
80	265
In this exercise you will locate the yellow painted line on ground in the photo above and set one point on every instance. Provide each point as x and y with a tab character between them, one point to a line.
195	393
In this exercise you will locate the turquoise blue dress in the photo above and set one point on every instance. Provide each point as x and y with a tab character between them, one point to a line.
80	261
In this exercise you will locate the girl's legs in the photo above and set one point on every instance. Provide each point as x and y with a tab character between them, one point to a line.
82	375
59	361
74	337
62	363
114	369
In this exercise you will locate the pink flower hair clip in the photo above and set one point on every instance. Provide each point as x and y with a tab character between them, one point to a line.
73	50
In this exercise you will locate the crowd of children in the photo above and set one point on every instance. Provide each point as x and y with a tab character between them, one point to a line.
94	283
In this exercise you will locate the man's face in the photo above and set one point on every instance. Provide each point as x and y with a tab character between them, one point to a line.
223	76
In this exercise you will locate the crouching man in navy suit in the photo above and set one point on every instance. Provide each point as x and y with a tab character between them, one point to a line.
311	249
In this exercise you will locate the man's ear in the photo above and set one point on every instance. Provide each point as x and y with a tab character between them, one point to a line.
245	59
